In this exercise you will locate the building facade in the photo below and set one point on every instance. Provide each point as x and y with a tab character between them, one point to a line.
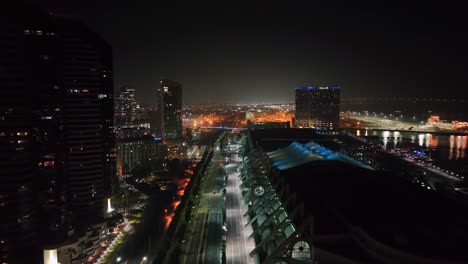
21	67
88	119
56	133
318	107
125	107
134	151
169	109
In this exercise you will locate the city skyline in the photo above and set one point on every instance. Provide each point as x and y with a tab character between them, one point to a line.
162	133
257	52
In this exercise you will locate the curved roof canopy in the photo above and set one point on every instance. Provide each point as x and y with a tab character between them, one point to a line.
297	154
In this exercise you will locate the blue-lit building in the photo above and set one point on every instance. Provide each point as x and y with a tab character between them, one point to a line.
318	107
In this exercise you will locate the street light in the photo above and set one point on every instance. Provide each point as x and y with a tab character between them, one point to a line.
145	258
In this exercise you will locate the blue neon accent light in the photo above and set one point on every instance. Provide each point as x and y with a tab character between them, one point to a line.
297	153
157	138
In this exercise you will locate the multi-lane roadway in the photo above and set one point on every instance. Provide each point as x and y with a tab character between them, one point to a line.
204	240
206	232
238	244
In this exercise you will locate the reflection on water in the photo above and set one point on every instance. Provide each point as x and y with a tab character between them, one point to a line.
452	143
420	139
464	141
457	147
385	136
433	141
450	147
396	137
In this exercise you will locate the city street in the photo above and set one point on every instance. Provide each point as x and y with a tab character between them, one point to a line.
204	240
196	238
238	245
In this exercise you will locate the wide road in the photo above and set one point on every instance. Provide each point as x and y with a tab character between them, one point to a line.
238	245
213	197
196	241
203	243
212	252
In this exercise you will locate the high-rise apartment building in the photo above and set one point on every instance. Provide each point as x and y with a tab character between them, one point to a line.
134	151
56	133
169	109
318	107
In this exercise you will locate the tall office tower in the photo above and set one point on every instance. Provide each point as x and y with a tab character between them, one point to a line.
169	109
317	106
88	119
56	137
125	107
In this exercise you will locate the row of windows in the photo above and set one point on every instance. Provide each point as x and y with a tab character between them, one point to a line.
30	32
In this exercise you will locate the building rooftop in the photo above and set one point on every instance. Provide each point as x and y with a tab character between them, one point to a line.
384	209
297	154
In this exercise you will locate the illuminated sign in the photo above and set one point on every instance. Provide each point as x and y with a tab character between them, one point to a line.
259	191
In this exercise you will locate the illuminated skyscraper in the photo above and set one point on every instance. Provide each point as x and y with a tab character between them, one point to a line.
317	106
125	107
169	109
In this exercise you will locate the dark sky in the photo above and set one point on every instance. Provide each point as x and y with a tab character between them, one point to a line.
259	52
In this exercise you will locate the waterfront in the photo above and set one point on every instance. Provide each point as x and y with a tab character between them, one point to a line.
446	151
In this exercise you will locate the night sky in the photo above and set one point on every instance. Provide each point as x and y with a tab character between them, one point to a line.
259	52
